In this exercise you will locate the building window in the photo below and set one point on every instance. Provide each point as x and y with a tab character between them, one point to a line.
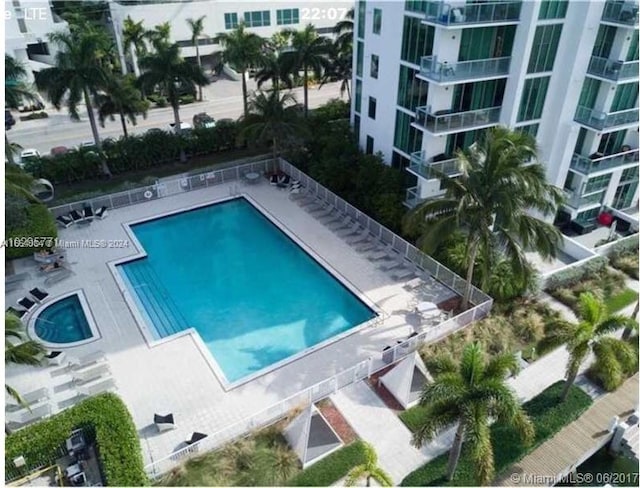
356	128
412	92
419	6
486	42
369	148
588	215
362	12
533	96
624	195
604	41
474	96
417	40
589	93
545	47
553	9
629	174
398	161
406	138
258	18
375	62
359	57
626	97
377	20
230	20
358	95
612	142
288	16
531	129
632	54
373	103
462	140
597	183
580	141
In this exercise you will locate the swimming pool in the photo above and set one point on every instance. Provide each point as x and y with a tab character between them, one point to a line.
253	295
63	322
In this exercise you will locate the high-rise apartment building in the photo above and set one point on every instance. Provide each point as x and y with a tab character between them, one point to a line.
430	76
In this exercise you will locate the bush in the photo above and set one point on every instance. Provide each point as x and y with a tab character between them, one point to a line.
186	99
161	101
548	415
330	469
34	116
39	225
574	274
106	419
625	257
618	301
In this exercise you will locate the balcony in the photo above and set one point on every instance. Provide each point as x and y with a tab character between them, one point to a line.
613	70
446	121
430	168
445	73
603	121
577	201
413	200
621	13
443	14
587	165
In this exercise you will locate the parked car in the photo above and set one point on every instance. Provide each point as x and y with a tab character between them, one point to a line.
59	150
31	105
86	145
183	126
203	121
155	130
28	154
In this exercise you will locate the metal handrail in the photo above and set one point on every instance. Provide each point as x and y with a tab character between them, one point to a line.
575	200
425	167
457	121
444	71
442	13
625	13
586	165
612	69
602	120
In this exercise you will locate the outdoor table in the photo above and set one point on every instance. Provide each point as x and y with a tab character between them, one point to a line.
426	306
252	177
73	470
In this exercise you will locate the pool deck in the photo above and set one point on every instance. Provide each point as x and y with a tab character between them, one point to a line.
174	377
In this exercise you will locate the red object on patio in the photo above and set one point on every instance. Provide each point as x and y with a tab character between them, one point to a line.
605	219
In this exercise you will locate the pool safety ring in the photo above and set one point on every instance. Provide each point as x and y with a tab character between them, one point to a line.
148	194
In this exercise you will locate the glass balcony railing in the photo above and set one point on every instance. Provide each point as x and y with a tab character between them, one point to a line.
430	169
587	164
578	201
613	70
602	120
622	13
441	13
413	199
448	121
434	70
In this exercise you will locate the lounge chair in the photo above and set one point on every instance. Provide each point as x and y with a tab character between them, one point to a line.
349	231
101	213
76	216
95	387
164	422
27	304
55	358
16	312
195	437
25	416
48	257
403	273
16	278
283	181
360	238
317	206
413	284
57	265
96	371
273	179
38	294
389	265
88	360
367	246
307	200
343	224
57	277
380	255
65	221
330	217
88	212
34	396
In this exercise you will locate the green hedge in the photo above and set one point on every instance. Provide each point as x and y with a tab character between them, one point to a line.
548	415
104	416
38	224
332	468
34	116
575	274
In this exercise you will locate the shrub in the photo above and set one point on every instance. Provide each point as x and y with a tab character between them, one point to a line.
161	101
34	116
107	419
39	225
330	469
625	257
548	415
574	274
186	99
618	301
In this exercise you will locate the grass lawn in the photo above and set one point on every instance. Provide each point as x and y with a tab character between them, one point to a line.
548	416
620	300
89	189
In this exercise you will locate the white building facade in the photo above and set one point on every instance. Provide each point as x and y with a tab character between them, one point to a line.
430	76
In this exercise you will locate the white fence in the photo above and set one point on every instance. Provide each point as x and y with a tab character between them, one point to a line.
628	242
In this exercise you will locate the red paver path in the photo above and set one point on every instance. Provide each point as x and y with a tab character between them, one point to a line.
337	421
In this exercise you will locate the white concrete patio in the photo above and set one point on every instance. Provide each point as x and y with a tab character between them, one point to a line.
174	377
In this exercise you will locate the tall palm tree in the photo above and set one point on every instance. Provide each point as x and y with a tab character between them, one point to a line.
490	203
134	35
159	35
369	469
168	70
78	74
16	89
242	50
18	182
273	118
272	69
18	349
340	67
593	333
197	31
120	97
471	395
343	31
308	52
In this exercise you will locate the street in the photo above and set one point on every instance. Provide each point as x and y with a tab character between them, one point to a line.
223	99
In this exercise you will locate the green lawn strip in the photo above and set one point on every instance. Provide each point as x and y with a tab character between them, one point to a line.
617	302
548	416
104	417
332	468
92	188
412	417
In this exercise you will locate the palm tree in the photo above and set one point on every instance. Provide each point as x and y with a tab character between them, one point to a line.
16	89
18	349
369	469
18	182
271	68
273	118
593	333
242	50
626	334
308	52
134	35
472	394
120	97
78	74
340	67
159	35
343	31
168	70
197	29
490	202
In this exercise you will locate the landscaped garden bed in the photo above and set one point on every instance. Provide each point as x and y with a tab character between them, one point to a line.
626	260
548	415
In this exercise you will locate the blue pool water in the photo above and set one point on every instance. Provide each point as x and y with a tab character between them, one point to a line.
254	296
63	322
